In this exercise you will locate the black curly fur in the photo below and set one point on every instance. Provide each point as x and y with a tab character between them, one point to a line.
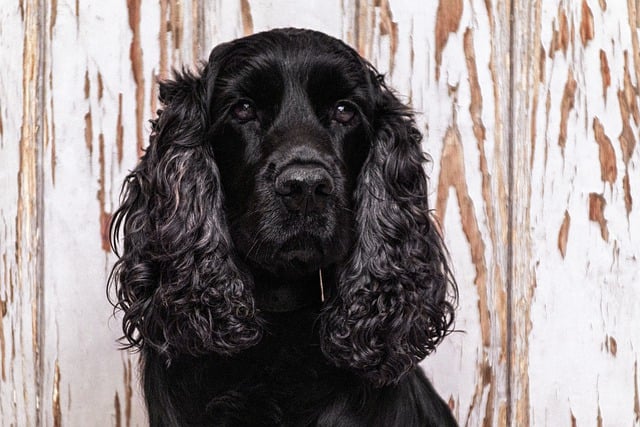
202	270
392	308
180	290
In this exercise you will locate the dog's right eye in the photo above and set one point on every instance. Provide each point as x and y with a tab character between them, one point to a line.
243	111
344	112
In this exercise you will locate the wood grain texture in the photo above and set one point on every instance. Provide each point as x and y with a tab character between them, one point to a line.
578	280
531	116
101	65
20	219
471	198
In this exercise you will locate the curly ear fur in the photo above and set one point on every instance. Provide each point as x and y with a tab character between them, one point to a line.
176	281
392	305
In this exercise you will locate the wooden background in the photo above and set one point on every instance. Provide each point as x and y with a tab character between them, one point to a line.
531	116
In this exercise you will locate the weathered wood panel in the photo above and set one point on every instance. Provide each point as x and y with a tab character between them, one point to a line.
20	222
437	55
90	68
472	194
531	119
224	21
102	62
576	241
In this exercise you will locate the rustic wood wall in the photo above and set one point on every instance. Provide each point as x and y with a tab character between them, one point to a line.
531	117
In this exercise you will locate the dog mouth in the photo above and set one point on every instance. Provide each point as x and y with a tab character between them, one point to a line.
290	244
301	255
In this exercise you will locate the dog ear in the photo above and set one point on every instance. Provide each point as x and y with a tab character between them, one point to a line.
394	299
176	281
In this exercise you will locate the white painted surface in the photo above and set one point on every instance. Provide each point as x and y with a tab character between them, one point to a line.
567	321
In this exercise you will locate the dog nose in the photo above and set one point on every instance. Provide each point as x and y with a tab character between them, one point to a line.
304	187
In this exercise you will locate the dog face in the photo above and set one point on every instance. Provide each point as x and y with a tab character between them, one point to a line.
286	153
289	146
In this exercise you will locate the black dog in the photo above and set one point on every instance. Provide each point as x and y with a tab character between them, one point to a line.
280	266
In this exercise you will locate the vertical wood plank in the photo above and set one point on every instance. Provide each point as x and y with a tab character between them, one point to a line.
526	57
437	55
575	240
224	21
20	223
101	67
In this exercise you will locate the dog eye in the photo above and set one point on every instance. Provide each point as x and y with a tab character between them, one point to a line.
243	111
344	112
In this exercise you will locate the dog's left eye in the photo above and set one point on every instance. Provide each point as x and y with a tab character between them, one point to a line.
243	111
344	112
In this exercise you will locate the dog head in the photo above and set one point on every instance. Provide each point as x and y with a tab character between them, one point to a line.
293	112
285	155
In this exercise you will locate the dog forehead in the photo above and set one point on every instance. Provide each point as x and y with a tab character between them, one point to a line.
290	54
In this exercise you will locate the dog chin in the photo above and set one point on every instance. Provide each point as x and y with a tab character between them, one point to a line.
302	260
297	256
